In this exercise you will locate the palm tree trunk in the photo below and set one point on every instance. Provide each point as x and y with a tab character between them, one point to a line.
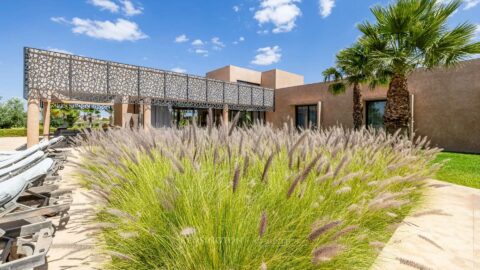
397	109
357	107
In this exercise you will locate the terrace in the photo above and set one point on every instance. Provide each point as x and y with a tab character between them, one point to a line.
52	77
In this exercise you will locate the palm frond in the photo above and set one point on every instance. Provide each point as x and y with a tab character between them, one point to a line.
332	74
337	88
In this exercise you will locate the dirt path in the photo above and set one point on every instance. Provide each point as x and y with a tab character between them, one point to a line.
444	233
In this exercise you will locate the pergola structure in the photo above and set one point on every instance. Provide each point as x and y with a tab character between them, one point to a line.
52	77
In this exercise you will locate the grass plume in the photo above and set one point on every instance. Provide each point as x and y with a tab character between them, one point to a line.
214	198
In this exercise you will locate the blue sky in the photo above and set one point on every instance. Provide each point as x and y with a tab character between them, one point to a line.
194	36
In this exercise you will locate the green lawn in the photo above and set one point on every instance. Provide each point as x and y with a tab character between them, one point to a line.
462	169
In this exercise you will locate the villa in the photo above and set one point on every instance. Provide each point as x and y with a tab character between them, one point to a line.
444	102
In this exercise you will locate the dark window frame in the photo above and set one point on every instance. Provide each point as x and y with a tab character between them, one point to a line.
367	102
314	124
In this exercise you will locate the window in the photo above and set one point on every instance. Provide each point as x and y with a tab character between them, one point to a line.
375	112
247	118
306	116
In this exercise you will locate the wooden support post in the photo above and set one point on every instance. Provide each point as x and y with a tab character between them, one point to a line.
119	110
46	119
147	114
33	121
412	119
225	115
319	115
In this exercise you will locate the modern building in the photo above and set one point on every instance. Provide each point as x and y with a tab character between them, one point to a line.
445	102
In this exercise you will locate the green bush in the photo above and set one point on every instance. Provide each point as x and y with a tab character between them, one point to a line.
251	198
12	114
19	132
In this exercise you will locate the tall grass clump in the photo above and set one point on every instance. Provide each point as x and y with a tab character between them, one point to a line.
257	198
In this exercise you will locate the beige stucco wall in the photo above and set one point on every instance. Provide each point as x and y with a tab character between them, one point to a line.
222	74
447	105
277	78
274	78
234	74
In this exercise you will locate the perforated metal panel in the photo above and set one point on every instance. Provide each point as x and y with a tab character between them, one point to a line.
52	75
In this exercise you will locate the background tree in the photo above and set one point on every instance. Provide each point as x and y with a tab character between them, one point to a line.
409	34
356	66
88	115
64	116
12	113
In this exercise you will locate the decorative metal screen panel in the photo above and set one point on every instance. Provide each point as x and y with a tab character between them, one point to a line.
268	100
245	95
257	96
46	74
176	86
215	91
230	95
197	88
89	76
65	77
152	83
123	80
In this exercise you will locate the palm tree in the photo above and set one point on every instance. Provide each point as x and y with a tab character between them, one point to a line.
356	66
409	34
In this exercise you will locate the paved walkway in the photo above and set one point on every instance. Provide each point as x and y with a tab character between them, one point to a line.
444	233
12	143
75	247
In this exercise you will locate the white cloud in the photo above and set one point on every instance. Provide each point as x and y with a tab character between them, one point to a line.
181	39
477	32
179	70
105	4
121	30
202	52
471	4
468	3
281	13
217	44
59	50
236	8
326	7
267	56
59	20
198	42
240	39
129	8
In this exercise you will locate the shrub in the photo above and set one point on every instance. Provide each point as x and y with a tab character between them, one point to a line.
19	132
251	198
12	114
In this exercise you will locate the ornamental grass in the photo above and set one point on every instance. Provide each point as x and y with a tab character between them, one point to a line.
251	198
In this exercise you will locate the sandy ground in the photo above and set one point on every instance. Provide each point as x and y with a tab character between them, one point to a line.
75	246
444	233
12	143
